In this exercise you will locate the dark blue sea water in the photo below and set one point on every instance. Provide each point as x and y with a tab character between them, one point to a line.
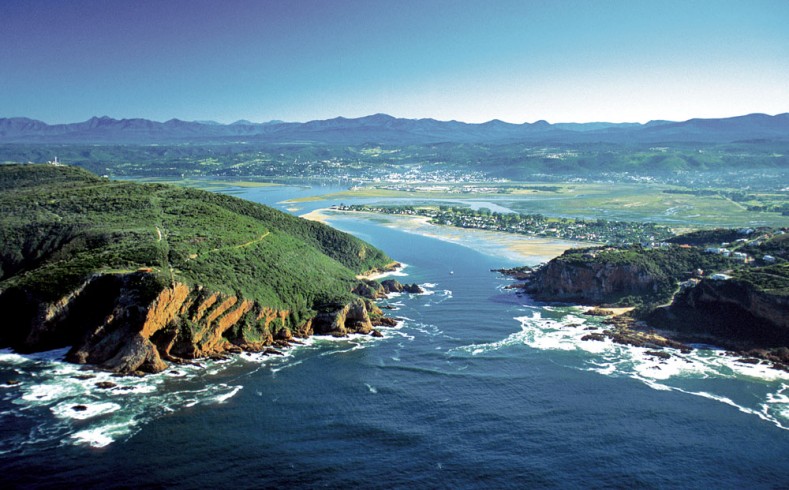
477	388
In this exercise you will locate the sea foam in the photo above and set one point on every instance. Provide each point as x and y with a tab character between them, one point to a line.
666	374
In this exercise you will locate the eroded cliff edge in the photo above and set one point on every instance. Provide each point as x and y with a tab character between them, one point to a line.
689	291
129	323
134	276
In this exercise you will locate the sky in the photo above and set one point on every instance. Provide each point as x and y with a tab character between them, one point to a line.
473	61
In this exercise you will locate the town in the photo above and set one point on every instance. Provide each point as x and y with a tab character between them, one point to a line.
596	231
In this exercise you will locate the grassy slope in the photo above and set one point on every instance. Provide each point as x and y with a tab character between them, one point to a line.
58	225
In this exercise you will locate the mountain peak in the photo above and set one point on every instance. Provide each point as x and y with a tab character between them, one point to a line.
495	123
385	129
380	116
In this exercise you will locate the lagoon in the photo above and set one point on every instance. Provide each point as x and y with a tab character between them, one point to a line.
476	388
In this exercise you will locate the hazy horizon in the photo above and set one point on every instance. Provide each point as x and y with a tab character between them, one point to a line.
517	61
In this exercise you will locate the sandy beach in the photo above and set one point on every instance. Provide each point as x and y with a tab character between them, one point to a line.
317	215
529	250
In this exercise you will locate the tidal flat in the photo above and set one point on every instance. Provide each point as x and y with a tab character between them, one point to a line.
658	203
529	250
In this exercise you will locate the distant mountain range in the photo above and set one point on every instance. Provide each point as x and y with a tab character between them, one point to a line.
385	129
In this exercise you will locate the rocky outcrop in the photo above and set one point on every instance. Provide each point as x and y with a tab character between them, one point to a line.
728	312
393	286
391	266
129	323
769	307
517	273
368	288
589	282
377	290
350	318
731	312
71	228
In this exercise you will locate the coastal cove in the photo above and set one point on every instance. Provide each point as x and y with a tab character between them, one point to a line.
475	386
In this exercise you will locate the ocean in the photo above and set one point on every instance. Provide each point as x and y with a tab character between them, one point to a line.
477	387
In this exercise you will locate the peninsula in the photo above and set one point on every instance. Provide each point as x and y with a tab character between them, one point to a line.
535	225
136	276
724	287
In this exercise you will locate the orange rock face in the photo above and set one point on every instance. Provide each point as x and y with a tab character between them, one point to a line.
164	309
128	323
204	306
214	342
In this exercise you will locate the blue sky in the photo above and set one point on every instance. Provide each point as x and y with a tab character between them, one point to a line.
519	61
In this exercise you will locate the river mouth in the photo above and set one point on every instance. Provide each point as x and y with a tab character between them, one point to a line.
474	384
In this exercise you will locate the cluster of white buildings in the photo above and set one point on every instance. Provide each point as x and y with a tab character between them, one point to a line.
738	256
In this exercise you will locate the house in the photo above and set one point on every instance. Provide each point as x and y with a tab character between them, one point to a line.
690	283
720	277
769	259
739	256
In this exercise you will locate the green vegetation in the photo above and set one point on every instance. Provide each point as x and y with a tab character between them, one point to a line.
694	163
59	225
772	279
598	230
777	246
689	185
651	202
613	201
761	202
691	257
716	237
665	266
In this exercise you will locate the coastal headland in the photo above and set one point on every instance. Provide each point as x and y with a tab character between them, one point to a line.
136	276
689	290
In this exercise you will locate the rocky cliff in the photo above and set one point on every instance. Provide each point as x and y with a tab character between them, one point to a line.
733	312
137	275
124	323
590	282
747	309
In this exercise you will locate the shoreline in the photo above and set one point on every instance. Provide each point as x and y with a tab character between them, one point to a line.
393	268
317	215
518	248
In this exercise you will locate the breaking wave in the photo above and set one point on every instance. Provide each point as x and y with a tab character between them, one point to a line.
563	329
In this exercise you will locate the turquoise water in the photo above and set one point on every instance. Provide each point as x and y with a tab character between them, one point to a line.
476	388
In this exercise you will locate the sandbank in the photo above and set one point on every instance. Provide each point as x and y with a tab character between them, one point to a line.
520	248
317	215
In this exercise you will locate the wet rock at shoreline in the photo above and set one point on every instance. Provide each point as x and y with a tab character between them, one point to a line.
394	286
